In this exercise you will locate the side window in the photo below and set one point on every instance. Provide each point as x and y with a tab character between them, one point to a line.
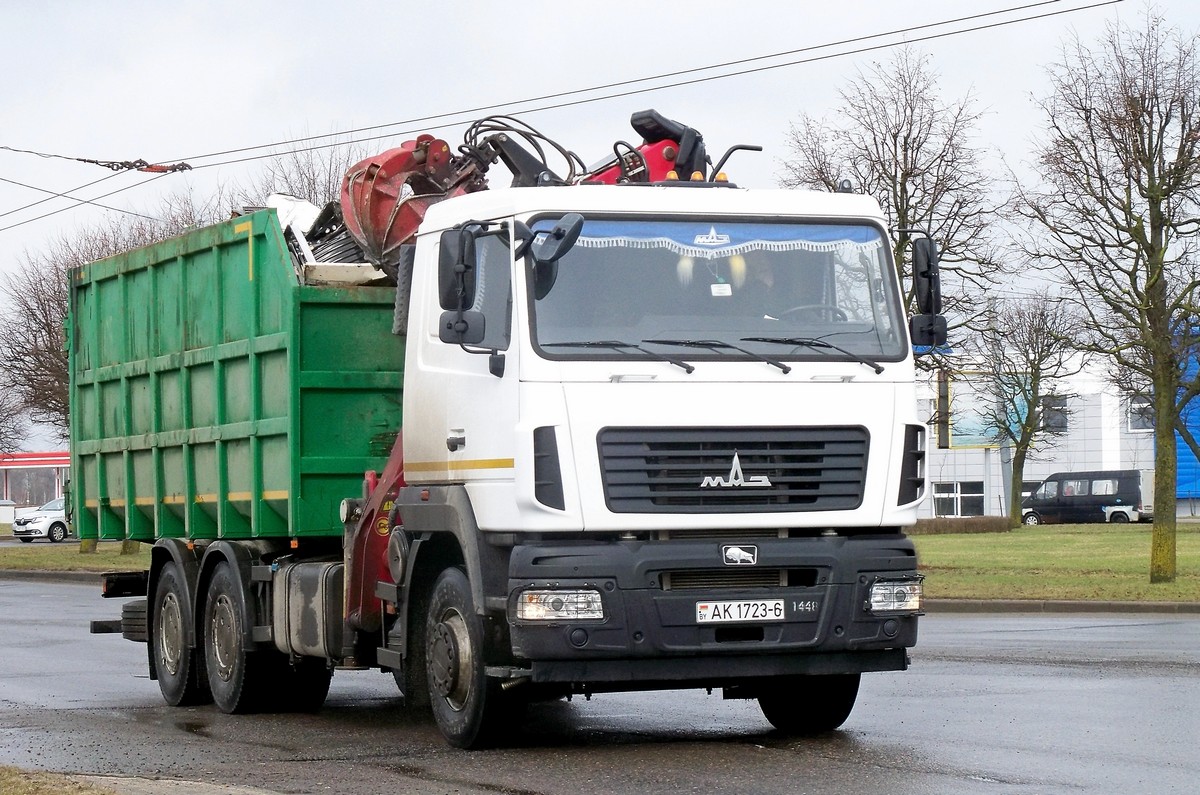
493	290
1048	491
1104	487
1075	488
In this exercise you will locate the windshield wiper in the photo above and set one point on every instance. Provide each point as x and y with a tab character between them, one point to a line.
810	342
718	344
613	344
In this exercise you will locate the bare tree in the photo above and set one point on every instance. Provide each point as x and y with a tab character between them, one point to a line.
314	175
31	337
1118	214
896	140
1022	358
32	346
12	422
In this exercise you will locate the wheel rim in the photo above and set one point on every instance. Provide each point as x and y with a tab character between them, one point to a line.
170	634
57	533
450	659
223	631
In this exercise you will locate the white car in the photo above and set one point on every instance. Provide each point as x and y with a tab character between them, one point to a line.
49	521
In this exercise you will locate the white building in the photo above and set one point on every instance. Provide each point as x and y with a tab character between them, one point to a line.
1102	429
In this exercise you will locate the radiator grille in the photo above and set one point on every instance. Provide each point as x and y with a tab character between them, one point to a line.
735	470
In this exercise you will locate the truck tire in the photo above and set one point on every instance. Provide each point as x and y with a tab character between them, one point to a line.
57	533
1118	517
810	704
1031	519
133	620
303	687
177	665
411	681
466	703
236	674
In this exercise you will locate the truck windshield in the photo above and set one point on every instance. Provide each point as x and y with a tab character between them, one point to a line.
719	289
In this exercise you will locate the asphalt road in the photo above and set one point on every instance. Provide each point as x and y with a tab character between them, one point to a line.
1007	703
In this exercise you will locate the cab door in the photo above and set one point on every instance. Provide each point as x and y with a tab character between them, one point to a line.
1045	501
460	400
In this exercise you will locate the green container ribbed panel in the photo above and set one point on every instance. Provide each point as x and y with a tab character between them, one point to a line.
215	396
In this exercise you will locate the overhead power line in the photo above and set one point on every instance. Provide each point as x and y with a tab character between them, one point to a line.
57	195
111	165
453	118
634	81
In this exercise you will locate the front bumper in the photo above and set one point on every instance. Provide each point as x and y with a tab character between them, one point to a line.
30	531
650	591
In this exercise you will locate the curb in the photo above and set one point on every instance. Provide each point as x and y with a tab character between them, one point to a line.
1055	606
931	605
92	577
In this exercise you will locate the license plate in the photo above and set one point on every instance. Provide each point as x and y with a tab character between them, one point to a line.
743	610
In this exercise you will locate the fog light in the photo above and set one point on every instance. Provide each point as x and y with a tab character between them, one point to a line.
896	596
558	605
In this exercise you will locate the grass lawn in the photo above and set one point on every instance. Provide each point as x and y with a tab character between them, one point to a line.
22	782
1090	562
44	556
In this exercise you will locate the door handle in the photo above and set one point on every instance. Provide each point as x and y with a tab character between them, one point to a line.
455	442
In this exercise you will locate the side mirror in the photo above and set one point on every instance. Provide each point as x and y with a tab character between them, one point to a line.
559	240
549	248
927	331
927	279
456	268
461	327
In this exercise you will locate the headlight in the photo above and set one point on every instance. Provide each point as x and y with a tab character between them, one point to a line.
896	596
556	605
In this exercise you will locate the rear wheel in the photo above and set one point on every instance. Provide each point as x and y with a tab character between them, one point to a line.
235	672
466	704
177	665
58	532
810	704
1119	518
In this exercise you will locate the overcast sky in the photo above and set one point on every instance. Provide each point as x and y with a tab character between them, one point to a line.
174	82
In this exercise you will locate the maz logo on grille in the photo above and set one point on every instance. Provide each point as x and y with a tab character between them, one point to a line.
744	555
736	479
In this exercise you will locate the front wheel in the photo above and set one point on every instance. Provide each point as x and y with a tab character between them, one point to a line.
1031	519
58	532
466	704
810	704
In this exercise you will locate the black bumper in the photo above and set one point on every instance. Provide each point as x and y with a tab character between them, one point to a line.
650	634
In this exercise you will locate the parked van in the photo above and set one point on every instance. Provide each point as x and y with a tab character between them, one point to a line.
1112	495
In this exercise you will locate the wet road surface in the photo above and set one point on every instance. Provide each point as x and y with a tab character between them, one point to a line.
992	704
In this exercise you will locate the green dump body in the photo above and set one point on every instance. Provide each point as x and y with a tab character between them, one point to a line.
214	395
